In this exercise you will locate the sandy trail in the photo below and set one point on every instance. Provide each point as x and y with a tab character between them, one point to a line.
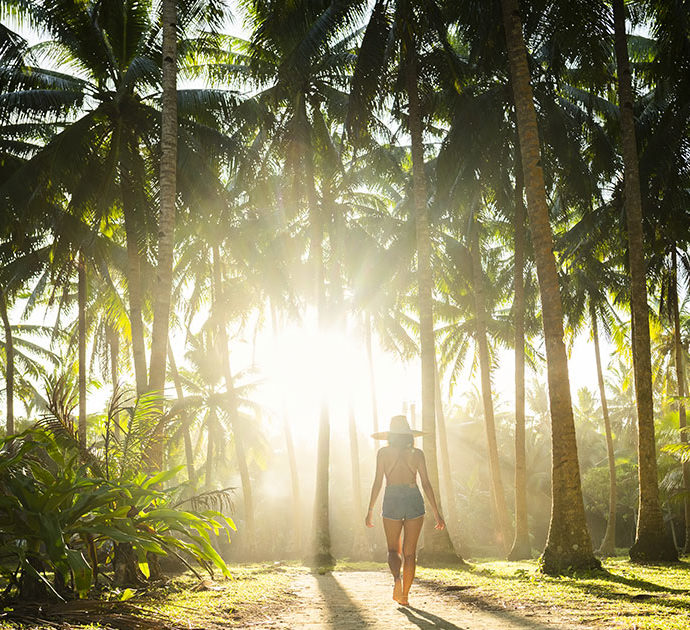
349	600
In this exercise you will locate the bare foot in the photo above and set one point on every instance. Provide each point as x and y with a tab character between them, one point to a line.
397	590
403	601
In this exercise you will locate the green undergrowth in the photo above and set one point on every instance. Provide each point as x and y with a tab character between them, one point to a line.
251	589
622	595
187	602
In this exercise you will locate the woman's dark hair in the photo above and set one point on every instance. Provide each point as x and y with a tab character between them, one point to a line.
400	440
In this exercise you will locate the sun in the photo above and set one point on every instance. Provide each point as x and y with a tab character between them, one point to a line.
304	367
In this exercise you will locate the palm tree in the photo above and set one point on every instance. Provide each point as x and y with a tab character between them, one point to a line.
568	544
166	221
651	541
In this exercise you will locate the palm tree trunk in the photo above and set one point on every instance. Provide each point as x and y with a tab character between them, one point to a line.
359	543
321	555
238	434
9	370
113	342
447	477
135	292
608	544
680	377
210	443
166	221
294	479
651	540
186	435
569	544
372	373
437	544
81	307
497	493
522	548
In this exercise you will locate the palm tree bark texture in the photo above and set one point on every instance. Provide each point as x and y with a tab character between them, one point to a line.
608	544
569	545
651	540
166	221
437	544
81	307
522	547
497	492
680	378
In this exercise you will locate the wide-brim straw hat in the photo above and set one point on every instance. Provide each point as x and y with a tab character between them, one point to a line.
399	426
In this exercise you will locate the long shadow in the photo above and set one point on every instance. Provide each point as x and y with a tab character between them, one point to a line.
427	621
339	604
486	605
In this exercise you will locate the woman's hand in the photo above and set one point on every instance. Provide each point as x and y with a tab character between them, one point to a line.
440	523
368	520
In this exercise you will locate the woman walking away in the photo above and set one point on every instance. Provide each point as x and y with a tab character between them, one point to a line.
403	506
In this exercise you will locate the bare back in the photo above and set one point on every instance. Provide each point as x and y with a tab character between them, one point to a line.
400	466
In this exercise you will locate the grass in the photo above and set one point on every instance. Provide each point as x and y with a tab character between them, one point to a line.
184	602
623	595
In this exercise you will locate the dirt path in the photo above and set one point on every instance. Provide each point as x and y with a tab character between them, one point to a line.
350	600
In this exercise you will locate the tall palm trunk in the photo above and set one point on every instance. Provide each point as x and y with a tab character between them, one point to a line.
680	377
321	553
233	406
9	369
568	543
446	476
608	544
186	435
497	493
437	544
372	373
211	427
522	548
166	220
651	541
113	342
294	480
135	292
81	308
359	543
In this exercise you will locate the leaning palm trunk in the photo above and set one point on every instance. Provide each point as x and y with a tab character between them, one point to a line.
233	407
569	545
522	548
437	544
680	377
608	544
9	369
81	307
651	540
497	493
166	221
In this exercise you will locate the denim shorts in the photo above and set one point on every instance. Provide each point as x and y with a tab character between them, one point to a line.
402	502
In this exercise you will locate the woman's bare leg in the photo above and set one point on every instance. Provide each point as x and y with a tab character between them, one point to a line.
412	530
393	530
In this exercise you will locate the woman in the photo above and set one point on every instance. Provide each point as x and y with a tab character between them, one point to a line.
403	506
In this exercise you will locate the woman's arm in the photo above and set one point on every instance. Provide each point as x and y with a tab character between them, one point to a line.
375	488
428	489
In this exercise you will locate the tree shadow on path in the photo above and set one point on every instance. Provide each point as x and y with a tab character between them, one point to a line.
342	610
